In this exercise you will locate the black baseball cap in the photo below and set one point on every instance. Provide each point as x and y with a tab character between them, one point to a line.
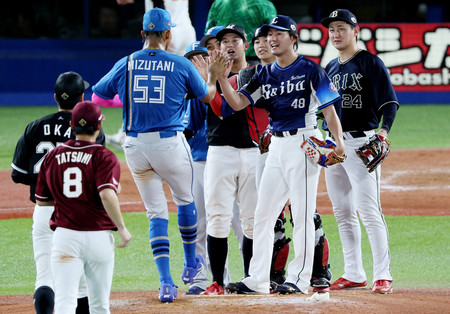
69	86
86	114
281	22
340	15
232	28
257	34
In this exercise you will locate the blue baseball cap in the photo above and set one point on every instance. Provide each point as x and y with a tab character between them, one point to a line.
340	15
195	49
211	33
281	22
157	20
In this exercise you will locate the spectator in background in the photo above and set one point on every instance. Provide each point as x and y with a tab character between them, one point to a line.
184	34
107	23
251	14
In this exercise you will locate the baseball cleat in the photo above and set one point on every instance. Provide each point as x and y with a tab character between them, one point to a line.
214	289
194	290
382	286
189	273
239	288
320	283
287	288
343	283
167	293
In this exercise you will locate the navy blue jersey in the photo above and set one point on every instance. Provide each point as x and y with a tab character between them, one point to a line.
293	94
152	84
365	87
40	137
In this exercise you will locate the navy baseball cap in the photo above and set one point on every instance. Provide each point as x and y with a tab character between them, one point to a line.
232	28
86	114
340	15
281	22
70	85
257	34
157	20
211	33
195	49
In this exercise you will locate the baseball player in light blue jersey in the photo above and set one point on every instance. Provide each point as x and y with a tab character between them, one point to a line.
294	89
151	84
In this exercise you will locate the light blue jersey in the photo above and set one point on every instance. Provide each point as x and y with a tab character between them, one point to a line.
195	121
152	88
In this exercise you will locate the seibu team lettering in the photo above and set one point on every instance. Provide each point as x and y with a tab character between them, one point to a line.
73	157
289	87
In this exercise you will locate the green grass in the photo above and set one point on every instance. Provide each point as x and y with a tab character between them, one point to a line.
418	247
418	244
414	127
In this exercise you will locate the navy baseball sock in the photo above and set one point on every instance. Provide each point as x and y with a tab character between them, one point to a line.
217	252
44	300
159	241
187	222
247	253
82	306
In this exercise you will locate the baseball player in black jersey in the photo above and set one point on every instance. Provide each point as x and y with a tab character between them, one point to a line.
40	137
367	95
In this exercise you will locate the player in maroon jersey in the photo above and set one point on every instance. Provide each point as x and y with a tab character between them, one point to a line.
81	179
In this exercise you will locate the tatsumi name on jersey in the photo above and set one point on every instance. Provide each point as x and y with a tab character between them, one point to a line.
151	65
73	157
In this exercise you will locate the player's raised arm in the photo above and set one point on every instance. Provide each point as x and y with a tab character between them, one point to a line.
216	69
236	100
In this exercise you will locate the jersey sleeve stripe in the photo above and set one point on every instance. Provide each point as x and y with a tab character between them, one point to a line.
18	169
107	186
41	198
248	96
330	102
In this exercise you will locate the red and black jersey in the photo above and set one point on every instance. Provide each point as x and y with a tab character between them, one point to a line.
40	137
241	129
72	175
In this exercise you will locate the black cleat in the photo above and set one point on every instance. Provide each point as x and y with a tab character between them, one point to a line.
287	288
239	288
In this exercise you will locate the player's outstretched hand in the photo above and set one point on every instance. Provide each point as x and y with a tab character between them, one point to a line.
125	237
220	65
202	66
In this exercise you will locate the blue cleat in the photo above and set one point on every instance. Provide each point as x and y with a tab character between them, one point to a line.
167	293
189	273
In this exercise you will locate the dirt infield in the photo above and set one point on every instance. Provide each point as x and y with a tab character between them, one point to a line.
414	182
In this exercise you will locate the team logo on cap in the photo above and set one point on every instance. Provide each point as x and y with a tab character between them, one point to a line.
168	23
82	122
353	20
151	26
275	20
64	96
334	13
293	28
231	26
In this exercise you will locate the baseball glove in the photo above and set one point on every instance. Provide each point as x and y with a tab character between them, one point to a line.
264	141
321	151
374	151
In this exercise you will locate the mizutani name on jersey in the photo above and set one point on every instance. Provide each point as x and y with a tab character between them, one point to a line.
151	65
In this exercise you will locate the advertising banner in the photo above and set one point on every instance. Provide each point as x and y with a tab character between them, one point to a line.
417	56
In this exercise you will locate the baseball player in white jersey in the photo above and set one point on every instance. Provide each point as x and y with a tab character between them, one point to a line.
367	94
294	88
151	84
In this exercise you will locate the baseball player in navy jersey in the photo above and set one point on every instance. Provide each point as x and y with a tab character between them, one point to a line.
294	88
80	178
151	84
367	94
40	137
